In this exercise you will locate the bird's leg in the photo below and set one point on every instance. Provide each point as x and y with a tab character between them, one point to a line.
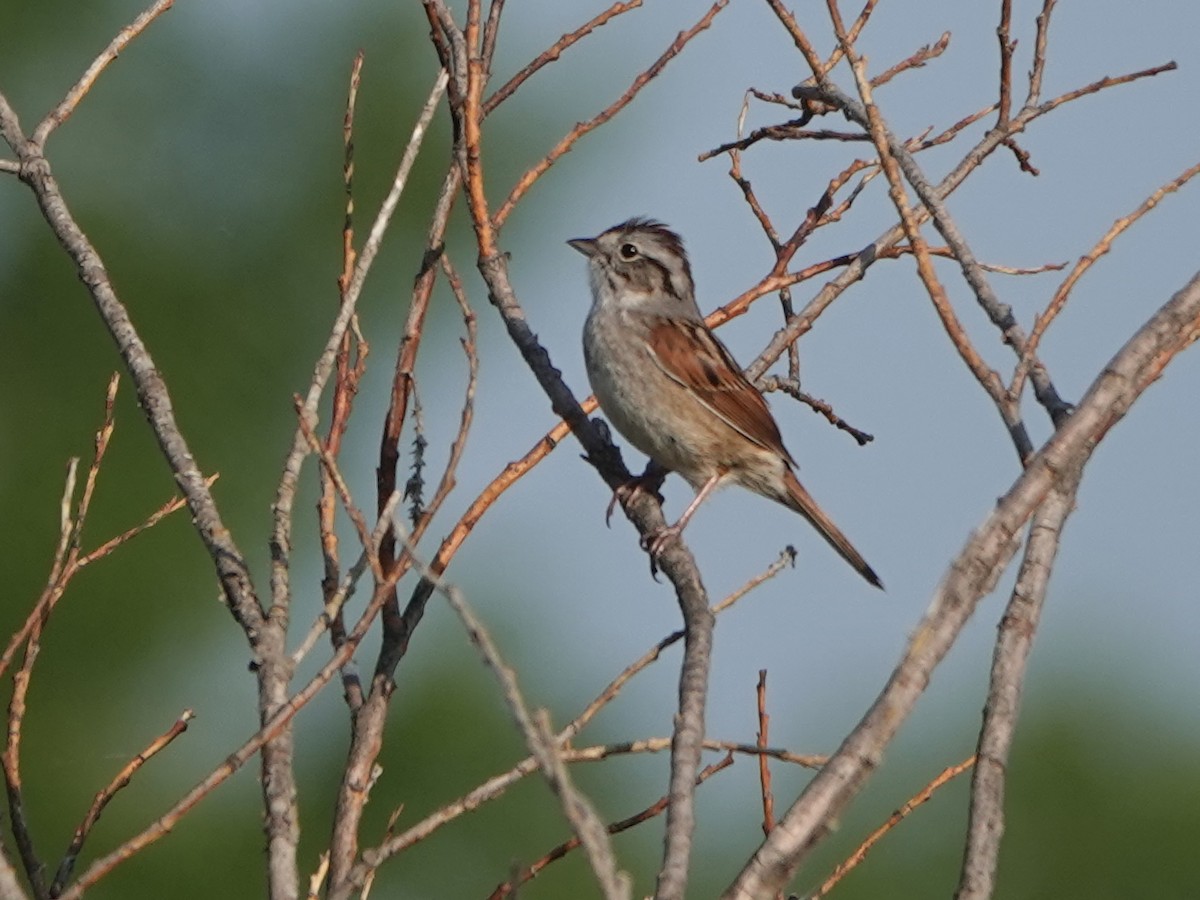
655	544
649	481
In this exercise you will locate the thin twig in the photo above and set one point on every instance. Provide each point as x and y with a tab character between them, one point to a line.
173	505
735	172
762	741
920	798
784	131
1007	45
1103	83
792	388
102	799
916	61
890	157
1038	69
528	873
467	413
658	744
1085	262
526	181
67	106
345	385
554	51
544	747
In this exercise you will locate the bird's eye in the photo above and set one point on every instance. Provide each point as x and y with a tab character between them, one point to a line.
628	251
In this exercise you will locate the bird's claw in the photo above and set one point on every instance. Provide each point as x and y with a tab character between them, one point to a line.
612	504
647	482
656	543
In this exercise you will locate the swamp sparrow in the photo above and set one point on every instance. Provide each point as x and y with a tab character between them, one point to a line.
672	389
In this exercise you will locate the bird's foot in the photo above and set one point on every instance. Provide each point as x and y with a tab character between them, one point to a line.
647	483
657	542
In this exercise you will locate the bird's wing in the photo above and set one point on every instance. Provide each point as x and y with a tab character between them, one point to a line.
692	356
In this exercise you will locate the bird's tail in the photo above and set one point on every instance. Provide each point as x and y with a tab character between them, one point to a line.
798	499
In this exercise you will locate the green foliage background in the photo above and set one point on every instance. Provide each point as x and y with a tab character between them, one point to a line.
206	167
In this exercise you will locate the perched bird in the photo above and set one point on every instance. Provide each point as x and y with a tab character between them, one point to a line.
673	390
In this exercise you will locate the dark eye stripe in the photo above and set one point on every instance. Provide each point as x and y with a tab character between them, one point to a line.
668	282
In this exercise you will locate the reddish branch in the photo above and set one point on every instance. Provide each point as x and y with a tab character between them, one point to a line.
564	146
921	797
347	378
102	799
763	741
1101	247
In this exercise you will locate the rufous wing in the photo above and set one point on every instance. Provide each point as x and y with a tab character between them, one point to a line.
692	356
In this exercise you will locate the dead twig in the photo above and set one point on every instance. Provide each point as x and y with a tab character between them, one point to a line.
526	181
124	37
528	873
1085	262
921	797
104	797
762	741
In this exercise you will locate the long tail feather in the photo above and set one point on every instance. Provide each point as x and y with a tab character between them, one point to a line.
801	501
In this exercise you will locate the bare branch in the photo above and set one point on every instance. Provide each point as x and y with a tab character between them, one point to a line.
1013	644
785	131
1007	46
103	798
762	741
1085	262
1171	330
544	747
1039	53
916	61
554	51
921	797
269	731
64	109
497	785
509	888
563	146
887	146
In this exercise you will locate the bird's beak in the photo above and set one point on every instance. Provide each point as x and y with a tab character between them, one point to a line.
586	246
